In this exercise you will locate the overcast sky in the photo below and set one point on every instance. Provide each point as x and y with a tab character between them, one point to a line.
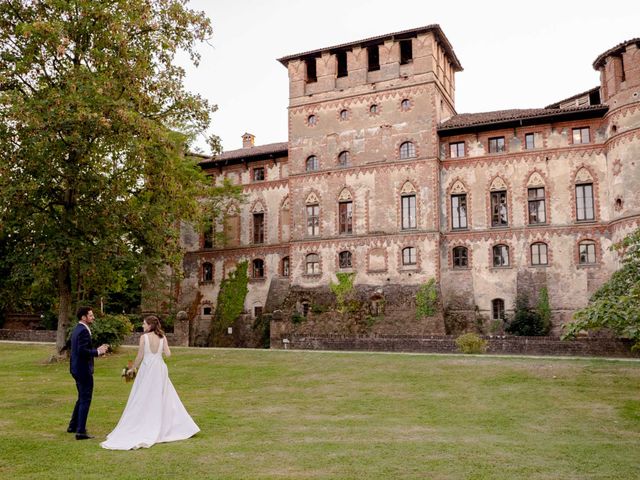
515	54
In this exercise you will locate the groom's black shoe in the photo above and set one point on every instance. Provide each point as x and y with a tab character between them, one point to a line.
83	436
71	430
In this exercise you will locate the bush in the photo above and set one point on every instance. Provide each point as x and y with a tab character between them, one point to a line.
168	323
427	300
136	322
527	322
233	291
318	309
471	343
297	318
496	327
371	320
262	325
544	310
111	329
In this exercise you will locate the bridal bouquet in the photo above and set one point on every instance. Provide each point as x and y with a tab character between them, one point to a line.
128	372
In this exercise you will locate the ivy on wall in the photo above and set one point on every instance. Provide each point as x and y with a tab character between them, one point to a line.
427	300
233	291
342	289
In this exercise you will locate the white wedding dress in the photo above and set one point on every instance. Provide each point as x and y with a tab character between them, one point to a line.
154	412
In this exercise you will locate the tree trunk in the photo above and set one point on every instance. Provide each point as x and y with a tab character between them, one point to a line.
64	294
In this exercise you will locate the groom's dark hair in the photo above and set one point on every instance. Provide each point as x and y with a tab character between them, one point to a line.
82	311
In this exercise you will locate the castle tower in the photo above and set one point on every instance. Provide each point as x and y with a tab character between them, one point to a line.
363	156
620	89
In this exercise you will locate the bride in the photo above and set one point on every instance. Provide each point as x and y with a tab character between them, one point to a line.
154	413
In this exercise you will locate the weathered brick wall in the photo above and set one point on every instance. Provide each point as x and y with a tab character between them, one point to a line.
373	310
334	114
607	347
28	335
554	164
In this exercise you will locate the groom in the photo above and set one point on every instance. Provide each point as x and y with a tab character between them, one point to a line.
82	353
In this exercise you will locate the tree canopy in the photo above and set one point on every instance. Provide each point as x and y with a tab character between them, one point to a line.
95	125
615	305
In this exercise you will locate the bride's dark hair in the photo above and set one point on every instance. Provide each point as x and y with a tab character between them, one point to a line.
154	323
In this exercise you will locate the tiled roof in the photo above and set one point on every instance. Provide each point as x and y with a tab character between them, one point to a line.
414	31
260	150
618	49
464	120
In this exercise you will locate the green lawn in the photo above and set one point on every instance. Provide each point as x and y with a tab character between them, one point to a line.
300	415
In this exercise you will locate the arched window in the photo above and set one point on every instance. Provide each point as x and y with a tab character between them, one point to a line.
497	309
459	211
285	266
407	150
258	228
344	158
345	217
312	163
499	212
344	114
373	109
313	220
207	272
345	259
312	120
537	212
405	104
500	256
584	202
587	252
408	206
313	264
539	254
460	257
258	268
409	256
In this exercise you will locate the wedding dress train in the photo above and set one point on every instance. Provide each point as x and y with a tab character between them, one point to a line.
154	412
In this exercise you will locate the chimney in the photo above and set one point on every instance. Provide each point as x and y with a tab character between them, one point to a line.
248	140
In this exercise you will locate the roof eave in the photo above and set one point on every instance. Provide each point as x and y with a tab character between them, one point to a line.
525	121
213	162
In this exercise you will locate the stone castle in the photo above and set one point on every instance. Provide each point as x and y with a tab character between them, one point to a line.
380	177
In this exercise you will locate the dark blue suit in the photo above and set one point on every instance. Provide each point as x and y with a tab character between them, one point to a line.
82	353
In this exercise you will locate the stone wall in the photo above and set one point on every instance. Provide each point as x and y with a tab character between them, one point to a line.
605	347
49	336
28	335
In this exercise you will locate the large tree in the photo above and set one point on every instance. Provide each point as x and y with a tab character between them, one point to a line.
615	305
94	129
